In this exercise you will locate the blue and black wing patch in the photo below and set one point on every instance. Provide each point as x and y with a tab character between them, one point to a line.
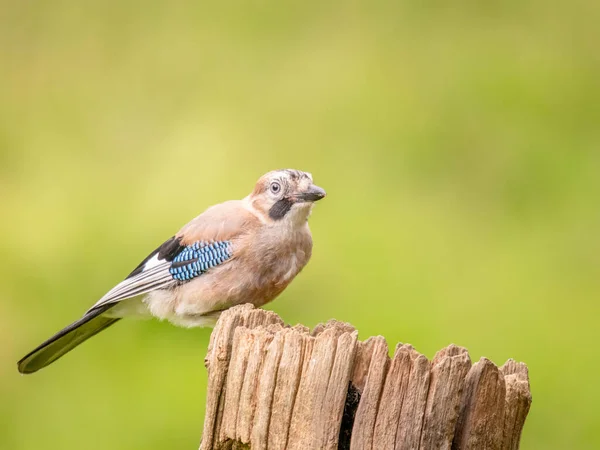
199	257
169	265
166	267
166	252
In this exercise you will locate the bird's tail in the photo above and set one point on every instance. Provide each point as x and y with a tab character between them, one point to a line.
66	340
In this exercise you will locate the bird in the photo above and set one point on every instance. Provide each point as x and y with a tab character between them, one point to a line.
239	251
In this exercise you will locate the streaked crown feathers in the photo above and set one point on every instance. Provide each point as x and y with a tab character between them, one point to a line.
286	193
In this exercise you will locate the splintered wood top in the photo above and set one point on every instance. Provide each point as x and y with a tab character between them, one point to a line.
275	387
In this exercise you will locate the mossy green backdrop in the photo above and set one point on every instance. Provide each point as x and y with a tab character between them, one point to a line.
459	145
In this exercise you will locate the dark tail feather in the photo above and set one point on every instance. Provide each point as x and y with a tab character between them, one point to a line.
66	340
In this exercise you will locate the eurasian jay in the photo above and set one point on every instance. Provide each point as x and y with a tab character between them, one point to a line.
240	251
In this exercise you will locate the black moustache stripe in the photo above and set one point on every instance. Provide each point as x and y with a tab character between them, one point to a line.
280	208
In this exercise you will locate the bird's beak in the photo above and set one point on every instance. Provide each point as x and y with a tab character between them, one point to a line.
312	194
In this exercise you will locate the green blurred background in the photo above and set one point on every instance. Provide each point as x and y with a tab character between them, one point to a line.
459	146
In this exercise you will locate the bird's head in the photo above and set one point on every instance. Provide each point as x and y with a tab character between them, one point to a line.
285	196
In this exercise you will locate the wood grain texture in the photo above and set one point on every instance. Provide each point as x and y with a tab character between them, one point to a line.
286	388
481	418
337	389
305	428
266	391
366	413
392	398
517	402
408	434
364	352
274	387
449	369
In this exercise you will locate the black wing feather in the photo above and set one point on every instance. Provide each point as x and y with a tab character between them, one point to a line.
167	251
65	340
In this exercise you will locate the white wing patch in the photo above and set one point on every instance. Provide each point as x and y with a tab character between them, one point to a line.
152	262
154	275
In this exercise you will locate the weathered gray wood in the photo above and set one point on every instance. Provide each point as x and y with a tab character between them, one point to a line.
366	413
272	387
392	397
449	369
305	426
408	434
242	342
364	352
337	388
266	392
322	395
286	388
249	392
517	403
217	362
481	417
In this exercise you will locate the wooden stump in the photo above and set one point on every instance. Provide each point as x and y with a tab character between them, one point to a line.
276	387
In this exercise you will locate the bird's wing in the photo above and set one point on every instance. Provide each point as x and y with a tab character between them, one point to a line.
151	274
202	244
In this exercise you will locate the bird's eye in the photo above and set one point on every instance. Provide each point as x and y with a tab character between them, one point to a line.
275	187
